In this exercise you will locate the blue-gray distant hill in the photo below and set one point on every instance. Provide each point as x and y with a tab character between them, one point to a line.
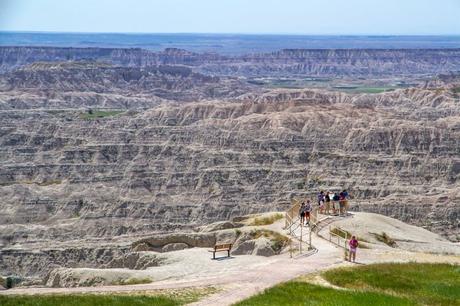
227	44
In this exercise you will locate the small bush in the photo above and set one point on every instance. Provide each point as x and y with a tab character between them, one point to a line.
132	281
383	237
9	283
267	220
278	240
50	182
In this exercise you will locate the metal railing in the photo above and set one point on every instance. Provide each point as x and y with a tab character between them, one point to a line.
293	224
337	239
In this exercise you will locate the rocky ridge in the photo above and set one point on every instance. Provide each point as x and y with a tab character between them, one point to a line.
288	62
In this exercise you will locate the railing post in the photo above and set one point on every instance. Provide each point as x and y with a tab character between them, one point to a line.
300	245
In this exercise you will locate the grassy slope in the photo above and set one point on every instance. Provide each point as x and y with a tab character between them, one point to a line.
301	293
429	284
381	284
87	300
158	298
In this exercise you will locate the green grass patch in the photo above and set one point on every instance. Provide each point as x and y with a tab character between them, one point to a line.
301	293
87	300
158	298
267	220
373	90
379	284
425	284
96	114
456	90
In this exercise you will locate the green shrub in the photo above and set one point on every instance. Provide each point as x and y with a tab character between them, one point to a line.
9	283
132	281
383	237
267	220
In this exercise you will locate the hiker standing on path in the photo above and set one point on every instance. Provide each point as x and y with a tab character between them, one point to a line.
336	204
327	199
302	213
343	202
353	246
308	209
321	201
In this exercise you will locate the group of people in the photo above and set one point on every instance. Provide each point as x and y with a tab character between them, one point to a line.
328	202
335	202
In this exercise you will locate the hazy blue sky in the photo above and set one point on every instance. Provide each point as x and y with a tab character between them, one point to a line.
234	16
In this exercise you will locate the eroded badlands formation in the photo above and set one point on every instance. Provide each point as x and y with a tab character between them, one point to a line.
187	147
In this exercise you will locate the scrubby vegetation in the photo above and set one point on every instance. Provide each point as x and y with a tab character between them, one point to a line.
9	282
267	220
278	240
378	284
133	281
383	237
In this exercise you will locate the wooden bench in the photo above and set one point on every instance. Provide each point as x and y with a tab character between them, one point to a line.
221	248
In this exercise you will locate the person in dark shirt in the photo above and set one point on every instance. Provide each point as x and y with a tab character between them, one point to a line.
308	209
302	213
327	200
321	201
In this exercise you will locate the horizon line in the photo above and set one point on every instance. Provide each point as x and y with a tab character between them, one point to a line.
236	33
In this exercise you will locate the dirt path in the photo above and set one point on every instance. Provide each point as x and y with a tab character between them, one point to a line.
236	284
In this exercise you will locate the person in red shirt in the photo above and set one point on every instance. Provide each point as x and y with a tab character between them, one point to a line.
353	246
